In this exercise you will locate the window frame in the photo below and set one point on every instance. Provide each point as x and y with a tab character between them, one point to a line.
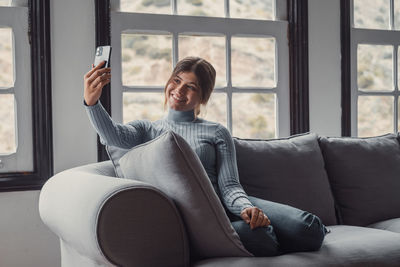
297	31
42	142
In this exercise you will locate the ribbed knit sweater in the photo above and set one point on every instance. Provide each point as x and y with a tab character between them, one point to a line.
211	141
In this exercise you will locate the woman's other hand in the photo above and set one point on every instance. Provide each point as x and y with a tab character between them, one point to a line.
255	217
94	81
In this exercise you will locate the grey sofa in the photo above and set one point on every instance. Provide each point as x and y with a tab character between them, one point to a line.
352	184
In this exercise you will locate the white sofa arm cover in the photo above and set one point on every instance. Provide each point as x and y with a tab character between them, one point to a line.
107	221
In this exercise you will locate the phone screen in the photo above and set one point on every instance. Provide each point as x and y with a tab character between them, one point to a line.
103	53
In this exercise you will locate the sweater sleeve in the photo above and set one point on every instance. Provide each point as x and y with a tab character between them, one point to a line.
112	133
232	193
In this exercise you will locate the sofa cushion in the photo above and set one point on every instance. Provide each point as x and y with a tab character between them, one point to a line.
364	174
289	171
392	225
169	164
115	154
345	246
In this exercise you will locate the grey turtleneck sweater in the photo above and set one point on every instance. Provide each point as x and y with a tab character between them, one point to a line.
211	141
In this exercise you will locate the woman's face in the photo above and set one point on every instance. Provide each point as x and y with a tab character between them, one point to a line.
183	92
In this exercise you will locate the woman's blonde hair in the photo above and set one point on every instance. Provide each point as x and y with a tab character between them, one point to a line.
205	74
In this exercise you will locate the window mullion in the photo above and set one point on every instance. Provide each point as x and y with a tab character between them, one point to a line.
175	48
229	81
174	7
392	26
227	9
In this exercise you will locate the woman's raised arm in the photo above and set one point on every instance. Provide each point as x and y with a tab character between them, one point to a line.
110	132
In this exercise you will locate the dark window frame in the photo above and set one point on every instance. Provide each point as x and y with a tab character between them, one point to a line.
297	11
345	25
42	138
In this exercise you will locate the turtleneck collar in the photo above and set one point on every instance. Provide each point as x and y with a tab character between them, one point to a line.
181	116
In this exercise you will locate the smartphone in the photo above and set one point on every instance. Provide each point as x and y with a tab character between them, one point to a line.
103	53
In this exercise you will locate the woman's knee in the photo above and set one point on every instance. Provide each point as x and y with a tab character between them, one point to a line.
314	234
305	234
260	241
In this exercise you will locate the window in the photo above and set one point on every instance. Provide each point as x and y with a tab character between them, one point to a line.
15	89
374	50
246	43
25	110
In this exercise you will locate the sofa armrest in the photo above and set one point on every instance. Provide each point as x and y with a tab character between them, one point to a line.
113	221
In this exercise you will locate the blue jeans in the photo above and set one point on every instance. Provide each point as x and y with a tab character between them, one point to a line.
291	230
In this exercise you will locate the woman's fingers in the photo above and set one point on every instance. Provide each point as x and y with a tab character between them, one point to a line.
102	84
265	221
254	217
101	78
94	69
97	73
260	219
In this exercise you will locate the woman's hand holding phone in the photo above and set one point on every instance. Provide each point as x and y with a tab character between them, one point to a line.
94	81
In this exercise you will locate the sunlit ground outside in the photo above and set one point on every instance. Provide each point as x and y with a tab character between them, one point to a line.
146	59
248	9
5	2
372	14
375	115
7	125
6	58
254	115
375	67
253	9
210	8
146	6
253	62
139	106
215	110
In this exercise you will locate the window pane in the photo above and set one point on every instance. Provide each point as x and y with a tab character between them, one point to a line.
5	2
253	62
253	115
146	59
397	14
213	8
140	106
375	115
7	124
256	9
146	6
210	48
6	58
398	67
215	109
375	67
372	14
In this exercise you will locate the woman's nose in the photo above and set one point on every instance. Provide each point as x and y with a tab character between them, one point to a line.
181	89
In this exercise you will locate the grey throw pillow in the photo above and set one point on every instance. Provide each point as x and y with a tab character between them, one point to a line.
364	174
169	163
289	171
115	154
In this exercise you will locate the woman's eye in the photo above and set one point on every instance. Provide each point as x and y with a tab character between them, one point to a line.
176	80
192	87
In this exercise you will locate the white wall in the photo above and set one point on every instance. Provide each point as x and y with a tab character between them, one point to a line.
25	241
324	66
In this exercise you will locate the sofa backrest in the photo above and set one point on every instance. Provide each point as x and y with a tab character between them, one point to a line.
364	174
289	171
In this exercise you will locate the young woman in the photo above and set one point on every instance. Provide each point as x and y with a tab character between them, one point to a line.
266	228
